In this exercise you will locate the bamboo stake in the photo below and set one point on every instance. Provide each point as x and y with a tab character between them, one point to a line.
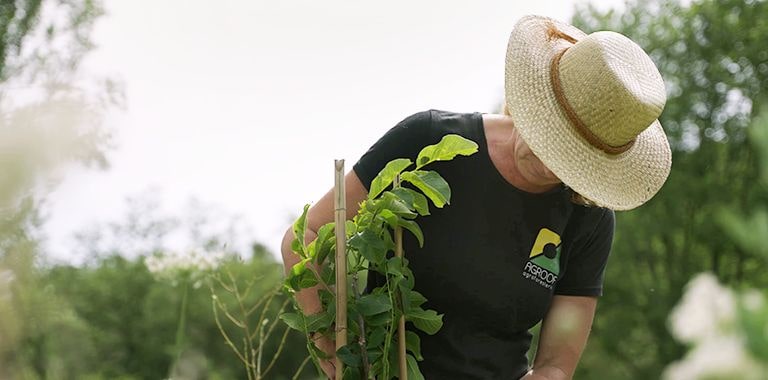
341	263
403	365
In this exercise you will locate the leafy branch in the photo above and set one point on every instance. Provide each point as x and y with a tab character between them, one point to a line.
373	317
254	336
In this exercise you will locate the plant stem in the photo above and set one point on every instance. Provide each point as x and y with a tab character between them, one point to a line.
340	204
247	342
260	351
401	322
301	368
361	339
181	326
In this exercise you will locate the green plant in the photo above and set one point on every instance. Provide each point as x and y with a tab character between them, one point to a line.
373	317
253	322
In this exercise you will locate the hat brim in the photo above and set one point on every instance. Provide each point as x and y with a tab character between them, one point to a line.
621	181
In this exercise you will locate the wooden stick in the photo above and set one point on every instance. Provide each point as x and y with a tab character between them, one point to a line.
403	365
340	200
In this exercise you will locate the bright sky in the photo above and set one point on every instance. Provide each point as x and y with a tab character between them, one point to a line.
245	104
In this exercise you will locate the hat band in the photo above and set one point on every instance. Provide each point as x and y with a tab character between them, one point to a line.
592	139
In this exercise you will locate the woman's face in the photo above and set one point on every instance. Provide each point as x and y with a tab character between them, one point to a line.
530	167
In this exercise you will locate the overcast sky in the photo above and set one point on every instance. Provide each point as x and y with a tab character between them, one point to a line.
245	104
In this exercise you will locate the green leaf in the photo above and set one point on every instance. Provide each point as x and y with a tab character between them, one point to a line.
294	276
449	147
389	201
350	355
350	227
414	228
413	369
415	300
351	373
299	268
388	217
371	304
376	337
299	230
307	280
387	175
297	247
301	277
327	298
370	246
409	282
294	321
415	200
426	320
374	355
317	352
413	344
405	297
379	319
388	241
431	184
309	250
326	240
320	321
328	275
395	266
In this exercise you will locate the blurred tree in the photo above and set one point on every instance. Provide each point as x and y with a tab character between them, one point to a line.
712	57
47	117
50	117
126	312
45	38
127	321
17	18
750	230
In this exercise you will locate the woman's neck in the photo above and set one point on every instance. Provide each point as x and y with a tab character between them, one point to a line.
500	135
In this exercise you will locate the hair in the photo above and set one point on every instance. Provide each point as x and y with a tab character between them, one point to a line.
576	198
581	200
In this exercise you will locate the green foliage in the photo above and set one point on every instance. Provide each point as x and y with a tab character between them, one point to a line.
449	147
373	317
752	322
750	229
118	321
712	57
60	43
17	18
254	321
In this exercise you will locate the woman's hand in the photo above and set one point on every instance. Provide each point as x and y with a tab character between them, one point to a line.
544	375
328	346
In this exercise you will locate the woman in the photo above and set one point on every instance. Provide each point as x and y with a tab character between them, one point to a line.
529	229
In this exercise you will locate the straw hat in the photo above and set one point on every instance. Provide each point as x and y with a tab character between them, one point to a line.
587	105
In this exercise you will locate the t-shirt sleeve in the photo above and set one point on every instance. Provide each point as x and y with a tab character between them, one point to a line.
586	266
404	140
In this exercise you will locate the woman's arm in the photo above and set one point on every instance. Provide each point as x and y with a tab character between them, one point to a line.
564	334
319	214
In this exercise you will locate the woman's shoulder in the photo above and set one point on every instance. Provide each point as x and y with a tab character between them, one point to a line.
593	219
440	116
442	122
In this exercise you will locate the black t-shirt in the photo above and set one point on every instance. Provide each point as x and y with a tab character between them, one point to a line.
494	257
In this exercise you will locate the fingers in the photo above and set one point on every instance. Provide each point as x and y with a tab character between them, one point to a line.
328	346
329	368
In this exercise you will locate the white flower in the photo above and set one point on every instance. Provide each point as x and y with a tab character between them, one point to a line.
173	264
717	358
707	310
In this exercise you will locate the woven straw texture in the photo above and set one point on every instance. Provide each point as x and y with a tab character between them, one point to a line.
616	91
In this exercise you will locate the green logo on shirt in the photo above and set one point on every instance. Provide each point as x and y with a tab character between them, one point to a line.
543	264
